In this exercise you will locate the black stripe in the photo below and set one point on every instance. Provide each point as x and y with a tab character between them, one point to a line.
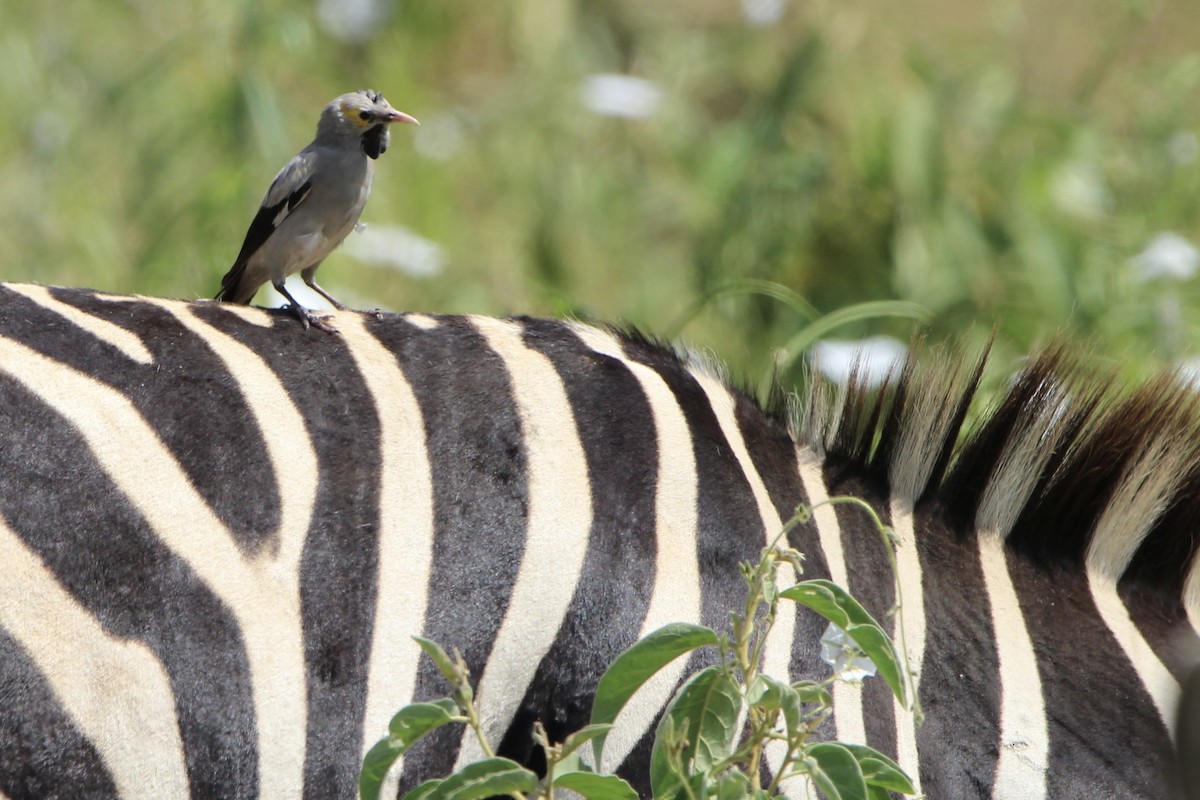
339	565
1164	624
478	460
42	754
960	681
185	396
60	502
617	432
730	528
1089	688
774	456
872	584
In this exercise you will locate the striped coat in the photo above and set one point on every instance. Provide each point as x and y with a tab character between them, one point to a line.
218	532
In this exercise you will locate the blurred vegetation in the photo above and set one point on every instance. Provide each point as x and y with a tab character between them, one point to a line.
999	163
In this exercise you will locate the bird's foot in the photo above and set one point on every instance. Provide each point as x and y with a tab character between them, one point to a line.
321	322
318	321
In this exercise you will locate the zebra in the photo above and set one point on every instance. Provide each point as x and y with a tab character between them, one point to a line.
218	535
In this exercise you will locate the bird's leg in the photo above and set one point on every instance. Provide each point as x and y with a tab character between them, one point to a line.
310	278
305	316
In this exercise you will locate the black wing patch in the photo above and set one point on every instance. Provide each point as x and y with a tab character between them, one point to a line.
265	222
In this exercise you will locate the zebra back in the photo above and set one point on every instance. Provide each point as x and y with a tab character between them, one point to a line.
219	534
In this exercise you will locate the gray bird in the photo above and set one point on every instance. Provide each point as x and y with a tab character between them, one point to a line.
314	202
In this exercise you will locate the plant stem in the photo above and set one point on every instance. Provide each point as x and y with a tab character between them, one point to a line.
477	726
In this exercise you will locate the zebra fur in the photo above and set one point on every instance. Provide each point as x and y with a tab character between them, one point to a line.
217	535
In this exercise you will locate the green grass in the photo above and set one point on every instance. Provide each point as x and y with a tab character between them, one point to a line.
997	164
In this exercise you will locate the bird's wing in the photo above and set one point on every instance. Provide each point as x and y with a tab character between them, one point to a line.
289	189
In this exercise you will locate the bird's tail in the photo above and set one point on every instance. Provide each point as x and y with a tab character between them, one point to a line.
231	291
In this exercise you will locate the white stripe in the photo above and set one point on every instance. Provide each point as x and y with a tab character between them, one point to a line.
1024	736
912	616
115	690
266	599
120	338
1144	493
405	534
249	314
778	653
560	519
261	591
847	697
1158	681
422	321
676	591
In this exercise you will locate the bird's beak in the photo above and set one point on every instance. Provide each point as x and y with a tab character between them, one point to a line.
399	116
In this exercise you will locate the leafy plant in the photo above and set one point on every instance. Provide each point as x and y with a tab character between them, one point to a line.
697	751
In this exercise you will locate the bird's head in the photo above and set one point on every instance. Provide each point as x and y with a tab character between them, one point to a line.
363	115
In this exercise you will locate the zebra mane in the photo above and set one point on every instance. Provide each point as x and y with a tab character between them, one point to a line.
1067	466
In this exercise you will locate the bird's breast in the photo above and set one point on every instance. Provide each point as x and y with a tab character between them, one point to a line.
346	198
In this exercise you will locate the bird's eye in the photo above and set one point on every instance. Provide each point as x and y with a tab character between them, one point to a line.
364	115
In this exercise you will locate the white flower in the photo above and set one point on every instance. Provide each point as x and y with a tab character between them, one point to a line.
877	357
1183	147
398	248
1078	188
353	21
842	653
620	95
761	13
1168	255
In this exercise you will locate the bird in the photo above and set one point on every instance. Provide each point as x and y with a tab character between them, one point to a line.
314	202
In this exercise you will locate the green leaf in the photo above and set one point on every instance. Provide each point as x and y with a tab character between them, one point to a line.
410	724
596	787
568	764
878	646
770	693
582	736
733	785
827	599
376	763
836	605
879	770
637	665
703	715
835	771
790	705
445	664
491	776
770	585
762	692
795	347
767	692
415	720
813	692
743	286
422	790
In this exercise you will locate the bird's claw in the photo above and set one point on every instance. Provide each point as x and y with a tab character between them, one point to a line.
318	321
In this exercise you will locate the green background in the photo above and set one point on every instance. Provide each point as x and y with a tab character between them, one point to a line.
999	164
